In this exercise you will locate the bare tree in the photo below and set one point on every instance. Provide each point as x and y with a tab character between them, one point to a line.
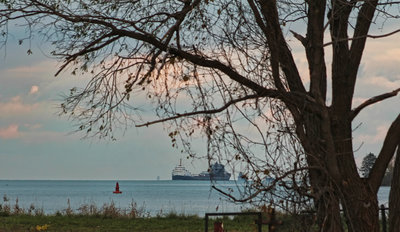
224	69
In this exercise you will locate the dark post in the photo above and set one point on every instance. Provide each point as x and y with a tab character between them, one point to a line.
206	224
272	220
259	222
383	214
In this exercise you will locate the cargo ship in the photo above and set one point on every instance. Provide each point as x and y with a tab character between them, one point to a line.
217	172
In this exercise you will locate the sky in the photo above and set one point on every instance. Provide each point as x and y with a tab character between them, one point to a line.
36	143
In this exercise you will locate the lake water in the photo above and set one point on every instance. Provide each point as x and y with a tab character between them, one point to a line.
187	197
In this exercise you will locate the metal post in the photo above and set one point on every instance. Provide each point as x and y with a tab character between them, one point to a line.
259	222
383	214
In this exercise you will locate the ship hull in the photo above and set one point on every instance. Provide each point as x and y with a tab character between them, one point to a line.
179	177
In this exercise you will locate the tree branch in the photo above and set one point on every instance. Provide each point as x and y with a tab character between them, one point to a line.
392	140
338	18
87	49
364	20
264	189
157	43
277	41
365	36
373	100
213	111
299	37
315	50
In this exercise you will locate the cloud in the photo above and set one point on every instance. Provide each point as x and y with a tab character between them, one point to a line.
34	69
45	137
11	132
34	89
358	101
384	82
15	107
33	133
375	138
381	58
33	126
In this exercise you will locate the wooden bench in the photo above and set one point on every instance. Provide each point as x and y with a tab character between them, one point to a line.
271	221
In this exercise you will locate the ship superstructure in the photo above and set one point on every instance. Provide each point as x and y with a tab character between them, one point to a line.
181	173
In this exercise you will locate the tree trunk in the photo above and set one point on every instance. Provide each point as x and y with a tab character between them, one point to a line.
326	198
360	206
359	200
361	209
394	199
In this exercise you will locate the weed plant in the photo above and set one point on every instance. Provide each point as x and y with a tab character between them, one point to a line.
108	217
108	210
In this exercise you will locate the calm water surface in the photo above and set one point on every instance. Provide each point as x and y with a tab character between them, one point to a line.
188	197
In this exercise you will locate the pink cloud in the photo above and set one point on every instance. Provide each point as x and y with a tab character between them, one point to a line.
15	107
33	126
34	89
11	132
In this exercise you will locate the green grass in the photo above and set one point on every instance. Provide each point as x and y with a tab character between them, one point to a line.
167	223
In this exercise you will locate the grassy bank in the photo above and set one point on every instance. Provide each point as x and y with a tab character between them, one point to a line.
89	217
169	223
93	223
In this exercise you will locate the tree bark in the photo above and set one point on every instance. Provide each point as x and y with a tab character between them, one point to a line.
358	199
394	199
361	208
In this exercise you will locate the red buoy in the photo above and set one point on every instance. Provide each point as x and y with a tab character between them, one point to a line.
117	189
